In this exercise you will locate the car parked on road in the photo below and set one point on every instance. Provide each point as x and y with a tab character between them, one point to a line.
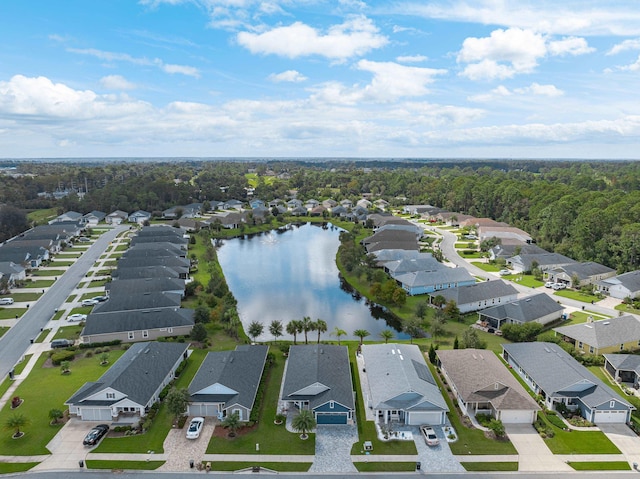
195	427
77	317
429	435
94	436
6	300
89	302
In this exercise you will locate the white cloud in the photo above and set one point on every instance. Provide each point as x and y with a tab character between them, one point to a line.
569	17
570	46
633	67
287	76
412	58
542	90
624	46
391	80
125	57
501	91
116	82
355	37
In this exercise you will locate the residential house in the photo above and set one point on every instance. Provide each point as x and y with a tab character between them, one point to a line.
226	219
139	217
145	285
475	223
131	386
311	204
318	378
137	325
227	382
381	204
93	218
452	219
400	386
385	255
329	203
507	234
540	308
552	373
294	203
586	273
232	205
69	216
425	262
364	203
623	286
623	368
508	250
145	272
144	301
30	256
621	333
423	282
116	218
479	295
524	263
482	384
155	249
12	272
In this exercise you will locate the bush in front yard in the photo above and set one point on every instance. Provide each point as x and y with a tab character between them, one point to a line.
57	358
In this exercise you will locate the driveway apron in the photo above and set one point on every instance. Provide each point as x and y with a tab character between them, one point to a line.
534	455
333	449
624	439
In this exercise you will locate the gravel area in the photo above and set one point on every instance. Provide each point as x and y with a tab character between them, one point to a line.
333	449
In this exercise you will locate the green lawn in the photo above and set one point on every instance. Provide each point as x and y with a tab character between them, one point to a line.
61	262
41	217
577	295
125	465
273	439
386	466
153	439
36	405
489	466
20	297
3	330
578	442
14	467
39	283
22	364
10	313
274	466
524	280
47	272
69	332
600	466
488	267
627	309
42	335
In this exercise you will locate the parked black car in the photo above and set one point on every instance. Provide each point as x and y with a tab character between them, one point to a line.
94	436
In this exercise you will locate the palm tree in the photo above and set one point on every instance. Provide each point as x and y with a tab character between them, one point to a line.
386	334
55	415
361	333
294	327
275	328
16	422
255	329
307	325
321	327
65	367
303	423
232	423
337	332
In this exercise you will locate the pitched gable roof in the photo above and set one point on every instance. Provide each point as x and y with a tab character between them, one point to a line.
119	321
477	292
525	309
604	333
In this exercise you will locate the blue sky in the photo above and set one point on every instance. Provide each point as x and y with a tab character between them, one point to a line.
305	78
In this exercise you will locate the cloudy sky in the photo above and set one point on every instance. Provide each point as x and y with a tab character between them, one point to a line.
313	78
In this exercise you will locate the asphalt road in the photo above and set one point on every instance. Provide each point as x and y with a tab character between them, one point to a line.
16	341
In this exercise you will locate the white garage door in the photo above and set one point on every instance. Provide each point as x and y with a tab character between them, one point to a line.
516	417
96	414
419	418
610	417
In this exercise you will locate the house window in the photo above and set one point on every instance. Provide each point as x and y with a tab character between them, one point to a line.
622	347
145	334
131	335
331	404
591	350
170	330
111	395
580	344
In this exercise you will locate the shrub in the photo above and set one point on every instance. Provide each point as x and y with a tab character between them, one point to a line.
58	357
115	342
88	354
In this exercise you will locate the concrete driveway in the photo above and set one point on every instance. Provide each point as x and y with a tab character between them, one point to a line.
534	455
624	439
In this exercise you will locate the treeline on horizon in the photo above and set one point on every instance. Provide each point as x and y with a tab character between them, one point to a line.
589	211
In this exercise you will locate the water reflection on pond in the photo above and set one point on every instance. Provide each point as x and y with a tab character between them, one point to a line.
289	274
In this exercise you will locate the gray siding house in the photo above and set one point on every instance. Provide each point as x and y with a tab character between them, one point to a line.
318	377
551	372
227	382
539	308
131	386
401	387
479	295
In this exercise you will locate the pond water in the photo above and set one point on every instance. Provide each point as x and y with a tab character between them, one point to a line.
291	273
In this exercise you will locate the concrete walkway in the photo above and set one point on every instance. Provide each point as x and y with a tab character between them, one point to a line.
533	453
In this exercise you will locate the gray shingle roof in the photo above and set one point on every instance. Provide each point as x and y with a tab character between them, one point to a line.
525	309
131	302
399	378
630	281
475	372
428	278
624	362
119	321
231	377
318	374
140	262
477	292
585	270
138	373
145	272
558	374
145	285
428	263
604	333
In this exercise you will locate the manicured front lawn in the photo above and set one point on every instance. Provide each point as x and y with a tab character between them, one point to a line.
274	466
21	297
125	465
524	280
13	467
488	267
47	272
577	295
3	330
153	439
61	262
69	332
627	308
600	466
489	466
11	313
578	442
386	466
37	404
39	283
273	439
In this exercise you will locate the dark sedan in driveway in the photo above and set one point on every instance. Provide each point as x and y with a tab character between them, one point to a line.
94	436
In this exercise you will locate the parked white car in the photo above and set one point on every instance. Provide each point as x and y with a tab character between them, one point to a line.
6	300
89	302
195	428
558	286
77	317
549	284
504	272
429	435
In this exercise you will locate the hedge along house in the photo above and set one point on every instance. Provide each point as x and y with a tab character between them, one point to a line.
131	386
318	377
400	387
227	382
553	374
